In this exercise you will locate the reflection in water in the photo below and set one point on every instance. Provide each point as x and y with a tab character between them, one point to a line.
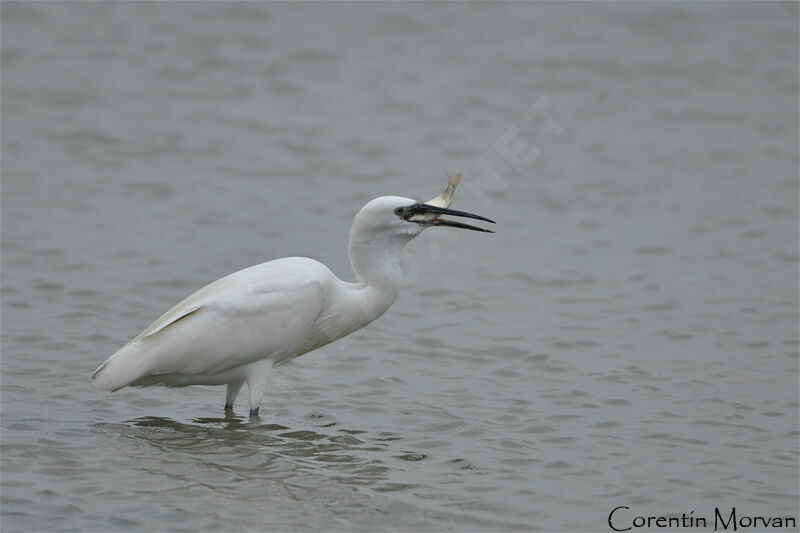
228	443
230	466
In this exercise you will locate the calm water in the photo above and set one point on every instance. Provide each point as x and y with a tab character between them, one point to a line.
628	337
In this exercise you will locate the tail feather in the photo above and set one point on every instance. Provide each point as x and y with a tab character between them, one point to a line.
98	370
120	370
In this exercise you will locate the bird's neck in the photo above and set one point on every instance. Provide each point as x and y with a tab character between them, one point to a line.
376	261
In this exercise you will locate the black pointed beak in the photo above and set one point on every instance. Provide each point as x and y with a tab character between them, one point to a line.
425	209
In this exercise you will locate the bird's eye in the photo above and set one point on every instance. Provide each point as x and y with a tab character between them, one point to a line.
398	211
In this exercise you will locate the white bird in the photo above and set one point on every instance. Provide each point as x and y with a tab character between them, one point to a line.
234	330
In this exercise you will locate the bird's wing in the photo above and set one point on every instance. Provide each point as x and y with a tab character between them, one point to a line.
263	311
188	305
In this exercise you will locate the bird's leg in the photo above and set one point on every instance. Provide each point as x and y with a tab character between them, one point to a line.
231	392
258	375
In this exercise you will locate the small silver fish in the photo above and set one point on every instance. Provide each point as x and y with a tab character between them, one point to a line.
446	198
429	213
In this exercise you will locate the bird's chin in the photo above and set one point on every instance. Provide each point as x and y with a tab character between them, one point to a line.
416	229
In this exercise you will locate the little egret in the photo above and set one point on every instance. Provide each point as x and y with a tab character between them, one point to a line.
234	330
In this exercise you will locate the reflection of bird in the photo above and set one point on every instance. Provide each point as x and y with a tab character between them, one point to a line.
232	331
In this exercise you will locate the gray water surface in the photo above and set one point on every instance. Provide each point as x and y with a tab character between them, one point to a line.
628	337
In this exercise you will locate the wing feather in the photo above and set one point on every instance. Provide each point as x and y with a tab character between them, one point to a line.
263	311
187	306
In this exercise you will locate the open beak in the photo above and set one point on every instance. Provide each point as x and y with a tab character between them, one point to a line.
429	215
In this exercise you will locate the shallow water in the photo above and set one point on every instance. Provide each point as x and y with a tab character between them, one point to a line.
628	337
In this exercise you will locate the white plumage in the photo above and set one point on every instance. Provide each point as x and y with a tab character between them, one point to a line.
235	329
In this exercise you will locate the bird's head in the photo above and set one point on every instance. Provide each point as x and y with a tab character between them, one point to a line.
386	224
404	217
